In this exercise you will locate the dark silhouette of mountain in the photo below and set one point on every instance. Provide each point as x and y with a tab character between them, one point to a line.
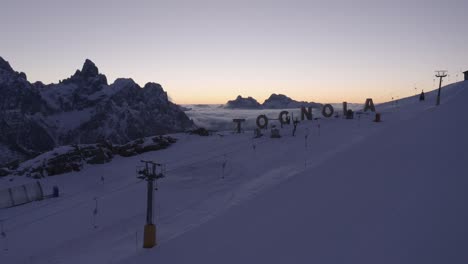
243	103
281	101
275	101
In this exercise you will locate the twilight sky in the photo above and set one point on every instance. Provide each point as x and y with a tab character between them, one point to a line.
212	51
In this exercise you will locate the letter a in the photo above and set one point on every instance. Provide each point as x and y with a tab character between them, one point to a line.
369	105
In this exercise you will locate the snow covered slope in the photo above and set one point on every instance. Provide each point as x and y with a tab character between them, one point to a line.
341	191
397	197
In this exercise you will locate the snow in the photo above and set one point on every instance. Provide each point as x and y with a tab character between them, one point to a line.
112	89
66	121
352	191
47	155
52	94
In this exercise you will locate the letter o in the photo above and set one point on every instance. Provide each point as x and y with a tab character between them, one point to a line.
330	111
281	118
265	122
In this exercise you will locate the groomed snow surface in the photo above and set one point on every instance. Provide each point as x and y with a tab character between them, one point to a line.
341	191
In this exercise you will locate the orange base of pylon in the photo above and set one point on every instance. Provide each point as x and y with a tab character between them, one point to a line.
149	237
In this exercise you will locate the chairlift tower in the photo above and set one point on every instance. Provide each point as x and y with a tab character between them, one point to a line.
440	75
149	173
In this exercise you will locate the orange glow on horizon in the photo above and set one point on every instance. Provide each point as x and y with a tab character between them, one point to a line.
332	95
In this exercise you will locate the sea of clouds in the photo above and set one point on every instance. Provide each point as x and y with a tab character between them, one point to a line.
216	117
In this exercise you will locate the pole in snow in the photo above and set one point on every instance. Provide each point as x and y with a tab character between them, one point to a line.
440	75
149	173
95	212
4	236
136	240
224	165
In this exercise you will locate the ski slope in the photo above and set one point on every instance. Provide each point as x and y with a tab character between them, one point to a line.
341	191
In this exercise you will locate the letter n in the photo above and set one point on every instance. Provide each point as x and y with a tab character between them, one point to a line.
306	113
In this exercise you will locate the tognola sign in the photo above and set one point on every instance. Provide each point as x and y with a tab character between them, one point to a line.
306	113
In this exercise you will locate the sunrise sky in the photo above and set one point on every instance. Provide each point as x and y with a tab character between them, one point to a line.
212	51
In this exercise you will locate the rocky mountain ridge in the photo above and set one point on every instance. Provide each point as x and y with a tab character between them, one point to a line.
275	101
243	103
82	109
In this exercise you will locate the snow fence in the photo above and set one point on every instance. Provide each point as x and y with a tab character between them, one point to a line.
21	194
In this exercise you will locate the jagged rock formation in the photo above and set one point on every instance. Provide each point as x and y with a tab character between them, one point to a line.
69	158
281	101
275	101
243	103
81	109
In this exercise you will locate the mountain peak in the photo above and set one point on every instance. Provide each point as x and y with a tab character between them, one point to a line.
278	96
4	65
90	74
89	69
243	103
